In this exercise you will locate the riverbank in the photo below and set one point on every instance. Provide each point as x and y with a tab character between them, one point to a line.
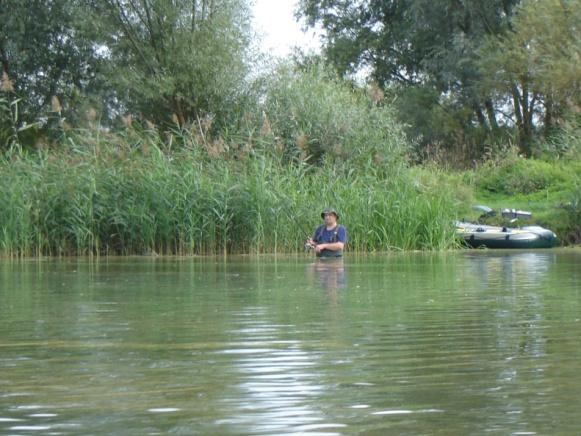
550	189
110	197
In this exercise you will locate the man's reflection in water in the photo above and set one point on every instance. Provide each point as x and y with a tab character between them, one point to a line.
329	274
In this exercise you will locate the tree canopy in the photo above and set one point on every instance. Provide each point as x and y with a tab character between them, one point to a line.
181	59
164	62
465	76
439	56
46	52
536	66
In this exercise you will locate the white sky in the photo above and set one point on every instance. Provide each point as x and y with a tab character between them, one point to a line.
275	21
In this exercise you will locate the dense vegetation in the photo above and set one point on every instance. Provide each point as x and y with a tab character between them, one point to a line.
131	192
150	126
467	75
131	201
549	188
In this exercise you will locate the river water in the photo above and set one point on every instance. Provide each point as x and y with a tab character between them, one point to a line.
470	342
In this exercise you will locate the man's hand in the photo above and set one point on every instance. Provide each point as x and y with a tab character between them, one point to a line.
333	246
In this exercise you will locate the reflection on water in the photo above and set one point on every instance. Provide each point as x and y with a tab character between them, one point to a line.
278	384
329	274
474	342
521	269
520	308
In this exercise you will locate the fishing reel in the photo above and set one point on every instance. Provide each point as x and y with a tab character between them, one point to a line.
309	246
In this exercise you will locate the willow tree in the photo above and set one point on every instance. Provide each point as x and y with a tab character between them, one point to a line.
48	58
424	49
536	66
175	60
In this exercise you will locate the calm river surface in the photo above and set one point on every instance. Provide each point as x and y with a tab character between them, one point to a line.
472	342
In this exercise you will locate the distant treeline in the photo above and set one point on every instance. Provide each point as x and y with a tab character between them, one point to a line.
463	79
466	76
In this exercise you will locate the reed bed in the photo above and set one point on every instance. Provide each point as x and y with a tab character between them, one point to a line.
112	199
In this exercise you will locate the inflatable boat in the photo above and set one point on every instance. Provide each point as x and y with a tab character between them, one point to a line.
481	235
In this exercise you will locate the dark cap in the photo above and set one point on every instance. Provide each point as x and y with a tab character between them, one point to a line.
329	210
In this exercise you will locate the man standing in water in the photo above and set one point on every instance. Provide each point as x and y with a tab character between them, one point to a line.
330	238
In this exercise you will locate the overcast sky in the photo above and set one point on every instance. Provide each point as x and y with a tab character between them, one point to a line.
274	19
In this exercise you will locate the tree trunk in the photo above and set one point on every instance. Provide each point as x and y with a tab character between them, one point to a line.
552	115
480	116
491	114
526	127
521	115
516	103
194	8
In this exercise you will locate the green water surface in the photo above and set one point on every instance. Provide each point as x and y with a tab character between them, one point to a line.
471	342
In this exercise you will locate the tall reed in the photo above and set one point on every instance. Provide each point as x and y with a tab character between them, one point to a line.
118	197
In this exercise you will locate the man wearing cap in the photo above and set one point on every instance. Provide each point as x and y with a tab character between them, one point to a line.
330	238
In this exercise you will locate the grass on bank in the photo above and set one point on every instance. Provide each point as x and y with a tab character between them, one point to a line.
109	197
309	140
549	188
259	184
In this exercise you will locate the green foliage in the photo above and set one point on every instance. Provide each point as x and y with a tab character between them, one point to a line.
573	212
565	143
549	189
435	122
314	114
47	52
6	123
13	131
549	29
536	67
123	195
428	50
176	62
90	61
520	176
468	76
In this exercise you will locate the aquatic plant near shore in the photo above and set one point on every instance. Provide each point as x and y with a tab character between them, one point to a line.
113	198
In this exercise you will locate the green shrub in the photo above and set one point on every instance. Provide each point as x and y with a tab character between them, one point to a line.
315	114
519	176
565	143
573	215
